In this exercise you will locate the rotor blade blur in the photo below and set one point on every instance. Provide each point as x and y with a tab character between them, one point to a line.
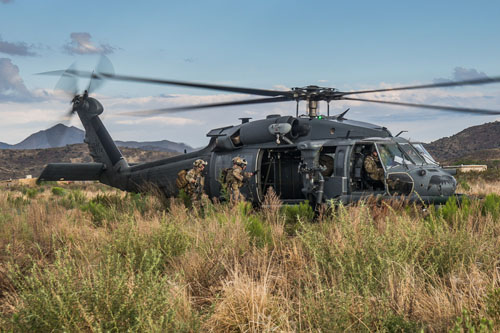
427	106
68	82
155	112
104	65
487	80
252	91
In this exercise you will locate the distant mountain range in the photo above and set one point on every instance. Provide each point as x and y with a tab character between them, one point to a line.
17	163
61	135
477	143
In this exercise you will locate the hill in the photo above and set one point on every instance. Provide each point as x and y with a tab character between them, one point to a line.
61	135
17	163
476	143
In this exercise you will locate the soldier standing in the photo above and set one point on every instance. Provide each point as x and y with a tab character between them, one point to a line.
371	164
235	178
196	181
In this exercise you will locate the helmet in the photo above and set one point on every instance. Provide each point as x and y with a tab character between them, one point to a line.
198	163
239	161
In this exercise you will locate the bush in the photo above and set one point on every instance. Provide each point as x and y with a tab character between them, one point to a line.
109	296
58	191
98	212
74	199
259	231
294	214
468	323
30	192
493	305
491	205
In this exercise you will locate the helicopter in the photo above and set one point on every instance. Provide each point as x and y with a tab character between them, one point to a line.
313	157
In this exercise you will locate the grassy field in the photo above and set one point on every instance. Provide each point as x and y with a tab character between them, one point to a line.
90	258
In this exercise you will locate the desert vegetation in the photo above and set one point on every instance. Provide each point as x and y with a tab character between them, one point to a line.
89	258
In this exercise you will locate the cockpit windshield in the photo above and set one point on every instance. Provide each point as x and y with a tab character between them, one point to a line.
393	154
425	154
414	154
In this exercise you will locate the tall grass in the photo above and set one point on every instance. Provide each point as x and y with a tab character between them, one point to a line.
93	259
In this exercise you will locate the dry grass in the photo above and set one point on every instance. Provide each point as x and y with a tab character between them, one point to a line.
98	260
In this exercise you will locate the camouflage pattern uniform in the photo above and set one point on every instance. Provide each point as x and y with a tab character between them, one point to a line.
235	178
373	169
196	181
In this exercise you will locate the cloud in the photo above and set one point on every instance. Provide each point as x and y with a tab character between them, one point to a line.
81	44
12	86
20	49
463	74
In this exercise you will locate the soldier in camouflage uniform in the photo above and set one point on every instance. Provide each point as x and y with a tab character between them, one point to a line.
196	181
235	177
373	167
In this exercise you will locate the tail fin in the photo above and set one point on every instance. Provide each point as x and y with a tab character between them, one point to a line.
101	146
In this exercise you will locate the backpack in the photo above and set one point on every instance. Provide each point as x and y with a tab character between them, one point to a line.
181	181
225	175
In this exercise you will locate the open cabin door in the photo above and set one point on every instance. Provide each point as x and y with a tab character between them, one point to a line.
279	169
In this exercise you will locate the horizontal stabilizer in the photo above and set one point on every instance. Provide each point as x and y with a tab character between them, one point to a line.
71	171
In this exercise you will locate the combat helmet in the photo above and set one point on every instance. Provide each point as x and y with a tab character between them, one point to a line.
240	161
199	163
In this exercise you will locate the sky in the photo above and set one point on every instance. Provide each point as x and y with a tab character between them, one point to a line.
348	45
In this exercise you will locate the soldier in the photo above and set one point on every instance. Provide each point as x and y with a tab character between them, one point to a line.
373	167
195	181
235	177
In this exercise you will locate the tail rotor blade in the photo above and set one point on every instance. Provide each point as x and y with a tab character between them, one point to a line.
68	83
104	65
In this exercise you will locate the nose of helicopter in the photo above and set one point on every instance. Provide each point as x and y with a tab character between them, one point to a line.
434	182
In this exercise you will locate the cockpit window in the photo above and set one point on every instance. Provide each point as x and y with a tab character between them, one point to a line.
414	155
425	154
391	155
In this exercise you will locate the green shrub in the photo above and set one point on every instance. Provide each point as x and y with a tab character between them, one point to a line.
30	192
493	305
168	241
491	205
463	183
98	212
58	191
294	214
259	231
110	296
468	323
396	323
74	199
185	198
456	212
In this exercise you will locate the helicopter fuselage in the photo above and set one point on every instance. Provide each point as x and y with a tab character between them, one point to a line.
301	158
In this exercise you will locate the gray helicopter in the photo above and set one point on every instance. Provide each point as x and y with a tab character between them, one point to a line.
314	157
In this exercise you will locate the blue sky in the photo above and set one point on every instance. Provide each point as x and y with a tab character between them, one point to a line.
265	44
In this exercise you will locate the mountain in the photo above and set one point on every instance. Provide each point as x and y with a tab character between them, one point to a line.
17	163
163	145
61	135
56	136
480	142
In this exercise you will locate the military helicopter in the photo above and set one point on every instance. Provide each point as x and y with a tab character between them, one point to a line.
311	157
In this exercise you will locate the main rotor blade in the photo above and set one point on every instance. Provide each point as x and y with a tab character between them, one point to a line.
252	91
427	106
487	80
154	112
118	77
